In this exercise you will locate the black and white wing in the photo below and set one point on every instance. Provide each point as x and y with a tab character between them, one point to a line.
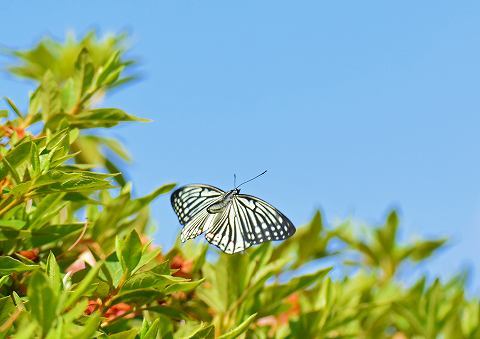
261	221
190	204
226	232
247	221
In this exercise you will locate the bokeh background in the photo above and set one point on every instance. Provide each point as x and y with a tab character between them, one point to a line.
353	107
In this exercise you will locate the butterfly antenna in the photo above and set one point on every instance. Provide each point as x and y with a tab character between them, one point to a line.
234	180
252	179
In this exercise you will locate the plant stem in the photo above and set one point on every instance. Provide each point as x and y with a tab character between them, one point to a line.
13	203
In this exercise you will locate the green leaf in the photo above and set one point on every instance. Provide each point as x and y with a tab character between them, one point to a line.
76	311
135	205
243	327
42	301
12	170
139	296
166	327
36	60
18	301
145	326
183	286
194	330
424	249
106	73
311	242
50	96
90	326
387	234
113	144
27	331
148	256
295	284
9	265
83	286
409	316
151	331
102	117
53	273
73	135
150	280
85	71
264	273
14	108
114	169
7	307
68	95
52	233
129	334
48	206
12	235
142	280
12	224
56	140
112	270
81	181
129	251
35	160
171	312
216	295
4	280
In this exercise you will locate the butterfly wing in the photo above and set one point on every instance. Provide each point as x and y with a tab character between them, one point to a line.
227	233
190	204
188	200
261	221
247	221
201	222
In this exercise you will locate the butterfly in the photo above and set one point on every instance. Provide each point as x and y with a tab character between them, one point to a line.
231	221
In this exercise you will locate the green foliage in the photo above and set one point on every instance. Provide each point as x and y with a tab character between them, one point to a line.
75	259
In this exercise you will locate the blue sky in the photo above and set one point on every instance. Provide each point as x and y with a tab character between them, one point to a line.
354	107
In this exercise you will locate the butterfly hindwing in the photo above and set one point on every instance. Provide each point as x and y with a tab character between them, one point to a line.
227	232
190	204
201	222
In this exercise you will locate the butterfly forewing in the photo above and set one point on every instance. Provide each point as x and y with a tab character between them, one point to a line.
261	221
248	221
187	201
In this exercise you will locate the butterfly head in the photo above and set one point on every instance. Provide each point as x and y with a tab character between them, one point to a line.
230	194
236	189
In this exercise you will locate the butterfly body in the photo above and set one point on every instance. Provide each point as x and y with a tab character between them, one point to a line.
230	220
218	207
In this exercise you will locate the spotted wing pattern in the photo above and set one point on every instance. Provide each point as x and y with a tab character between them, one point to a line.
226	232
190	204
248	221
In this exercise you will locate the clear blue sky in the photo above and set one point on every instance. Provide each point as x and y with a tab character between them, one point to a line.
354	107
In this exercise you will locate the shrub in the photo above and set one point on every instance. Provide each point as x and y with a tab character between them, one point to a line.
76	260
